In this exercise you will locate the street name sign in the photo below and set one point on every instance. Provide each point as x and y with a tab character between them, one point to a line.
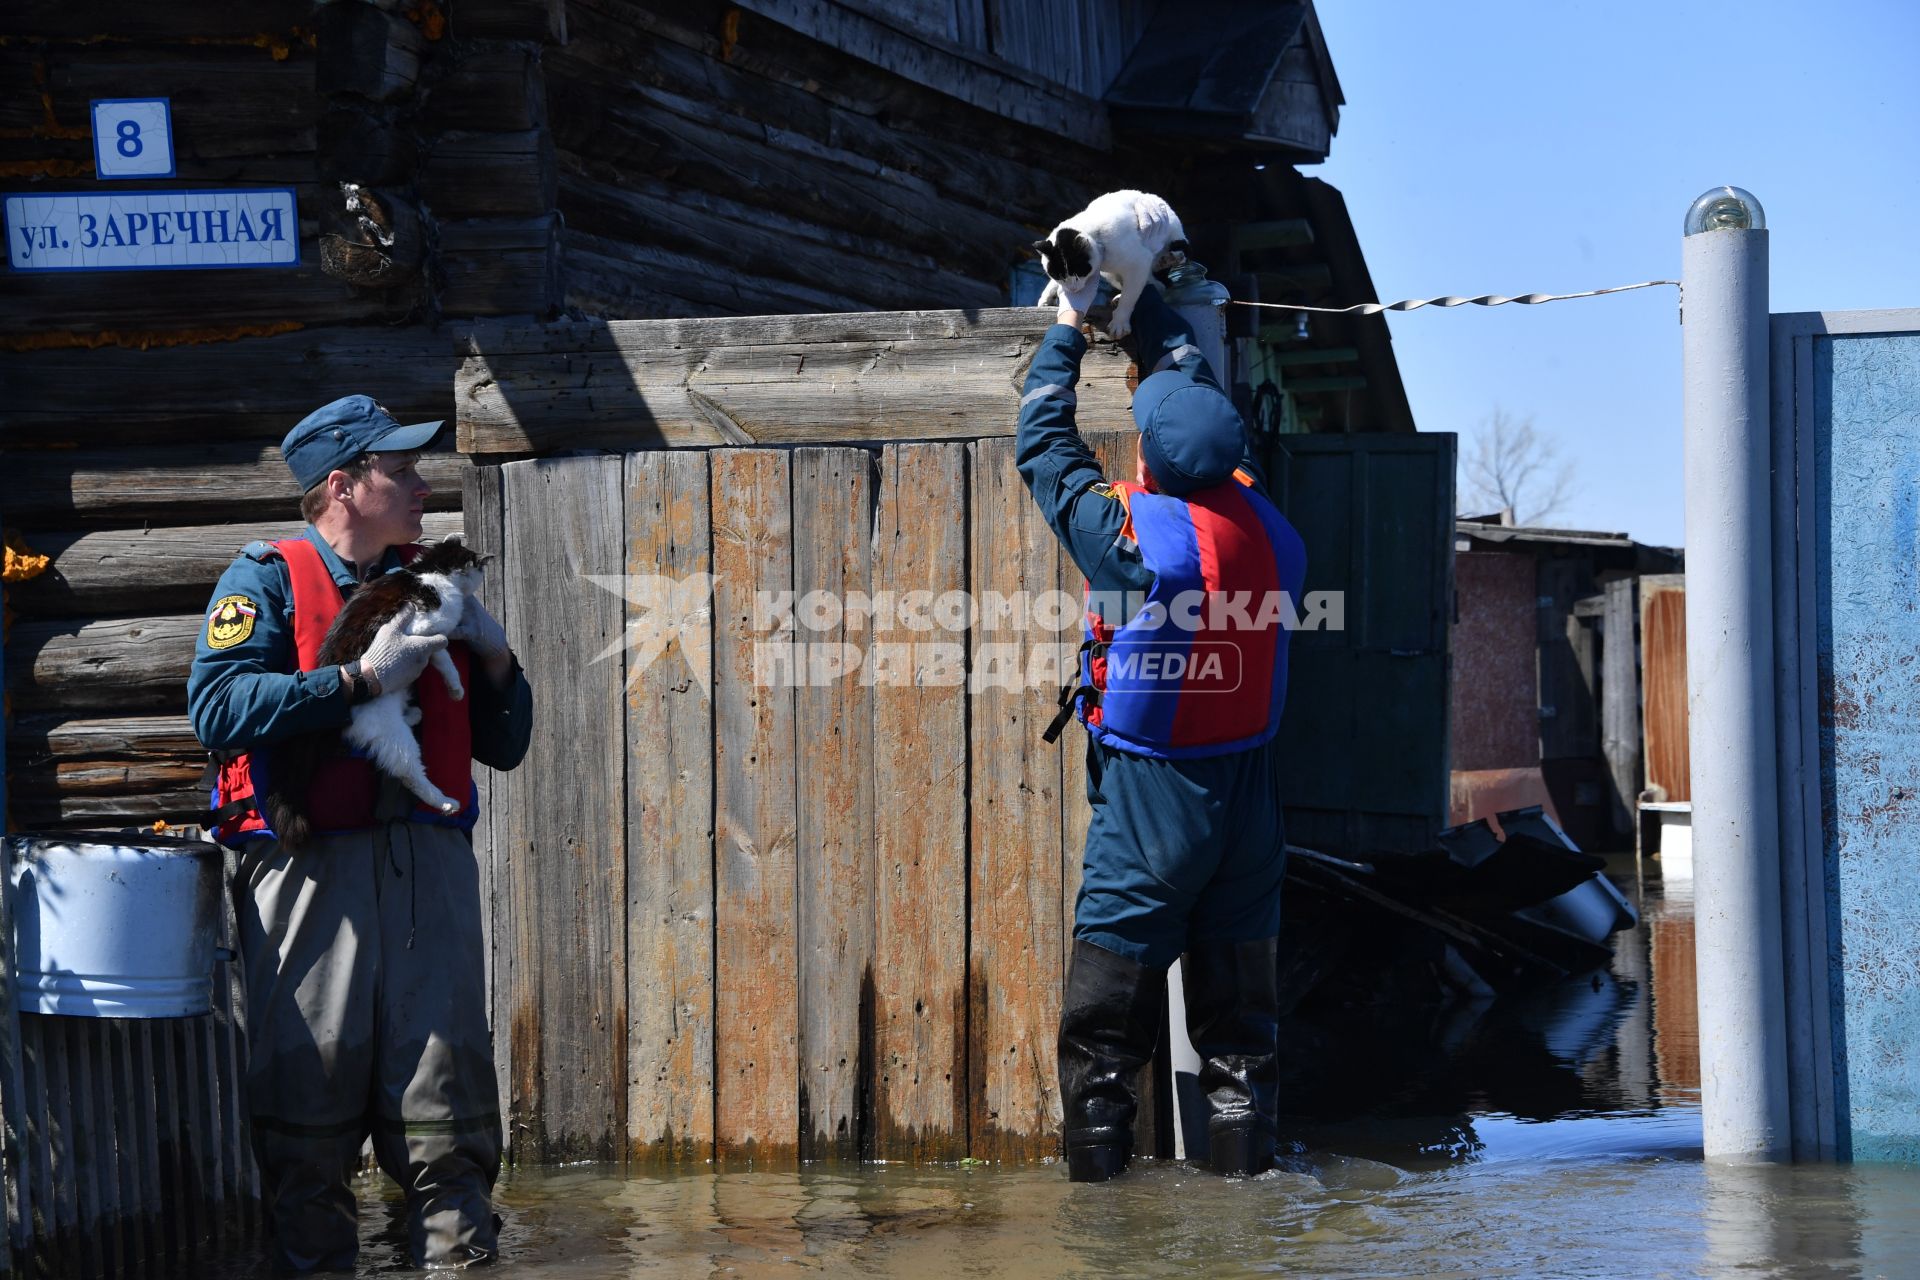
153	230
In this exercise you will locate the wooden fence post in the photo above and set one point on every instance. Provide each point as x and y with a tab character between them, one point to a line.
756	997
920	814
559	812
833	731
670	793
1016	950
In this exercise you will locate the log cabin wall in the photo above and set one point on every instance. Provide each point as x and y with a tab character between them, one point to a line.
144	410
716	162
618	158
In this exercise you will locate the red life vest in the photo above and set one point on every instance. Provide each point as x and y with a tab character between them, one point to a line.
1201	670
344	789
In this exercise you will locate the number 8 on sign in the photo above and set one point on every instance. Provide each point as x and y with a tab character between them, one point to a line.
132	138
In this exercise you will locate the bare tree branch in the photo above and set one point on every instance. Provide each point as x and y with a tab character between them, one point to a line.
1510	466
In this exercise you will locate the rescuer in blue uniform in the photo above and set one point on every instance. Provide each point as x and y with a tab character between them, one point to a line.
1181	693
363	949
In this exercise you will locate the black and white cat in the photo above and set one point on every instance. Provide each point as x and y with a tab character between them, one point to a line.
1125	236
425	598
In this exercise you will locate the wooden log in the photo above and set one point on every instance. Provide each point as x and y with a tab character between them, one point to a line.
539	20
501	266
765	242
116	487
500	175
631	52
919	820
487	89
255	388
156	570
943	65
563	518
833	718
358	145
35	741
113	663
366	52
76	779
125	305
1016	946
768	380
670	792
612	278
744	162
181	21
756	996
227	101
44	811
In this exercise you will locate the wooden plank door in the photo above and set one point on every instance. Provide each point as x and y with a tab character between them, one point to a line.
1364	741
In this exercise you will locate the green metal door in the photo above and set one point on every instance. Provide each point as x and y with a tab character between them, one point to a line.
1364	741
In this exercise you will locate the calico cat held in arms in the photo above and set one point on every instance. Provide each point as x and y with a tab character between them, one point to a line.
423	599
1125	236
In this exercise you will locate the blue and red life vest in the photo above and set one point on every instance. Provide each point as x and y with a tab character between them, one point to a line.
345	788
1201	670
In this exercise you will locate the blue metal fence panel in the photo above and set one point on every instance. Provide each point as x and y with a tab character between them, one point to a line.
1862	503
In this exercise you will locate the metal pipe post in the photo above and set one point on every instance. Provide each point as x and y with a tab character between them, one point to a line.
1738	938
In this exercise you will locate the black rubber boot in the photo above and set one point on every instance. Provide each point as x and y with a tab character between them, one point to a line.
1233	1019
1109	1025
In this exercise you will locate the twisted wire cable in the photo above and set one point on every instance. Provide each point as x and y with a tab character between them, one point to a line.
1450	300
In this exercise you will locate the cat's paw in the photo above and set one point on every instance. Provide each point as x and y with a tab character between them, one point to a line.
449	808
411	716
1050	295
1118	328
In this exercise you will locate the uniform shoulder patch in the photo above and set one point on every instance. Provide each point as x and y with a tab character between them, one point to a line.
230	621
261	551
1104	489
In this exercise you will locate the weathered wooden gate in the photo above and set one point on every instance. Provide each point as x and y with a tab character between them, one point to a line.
782	878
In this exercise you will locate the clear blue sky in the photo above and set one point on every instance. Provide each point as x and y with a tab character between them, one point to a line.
1511	146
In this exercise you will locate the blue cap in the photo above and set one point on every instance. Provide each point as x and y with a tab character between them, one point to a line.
333	435
1190	433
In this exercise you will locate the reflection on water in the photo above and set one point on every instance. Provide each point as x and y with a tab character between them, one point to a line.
1557	1134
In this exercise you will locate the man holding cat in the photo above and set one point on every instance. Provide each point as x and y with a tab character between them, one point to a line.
1184	852
365	966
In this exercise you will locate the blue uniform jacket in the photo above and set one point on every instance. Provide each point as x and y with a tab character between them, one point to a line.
1060	471
248	694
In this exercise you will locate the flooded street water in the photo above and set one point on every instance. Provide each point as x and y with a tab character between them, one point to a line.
1557	1136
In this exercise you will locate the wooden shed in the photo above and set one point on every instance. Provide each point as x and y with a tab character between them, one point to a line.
1555	648
679	273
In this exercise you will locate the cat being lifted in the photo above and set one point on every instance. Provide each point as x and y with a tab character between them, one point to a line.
1125	236
424	598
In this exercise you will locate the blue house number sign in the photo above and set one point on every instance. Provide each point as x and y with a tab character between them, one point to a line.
146	230
132	138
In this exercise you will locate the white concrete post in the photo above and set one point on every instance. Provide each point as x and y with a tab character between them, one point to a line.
1736	836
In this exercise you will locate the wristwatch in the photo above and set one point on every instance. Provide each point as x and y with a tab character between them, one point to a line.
359	687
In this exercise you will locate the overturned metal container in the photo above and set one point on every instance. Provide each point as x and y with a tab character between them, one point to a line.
108	926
